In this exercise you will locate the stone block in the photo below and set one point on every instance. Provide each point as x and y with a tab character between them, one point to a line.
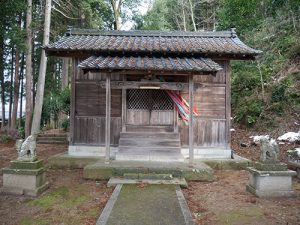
270	183
270	166
30	182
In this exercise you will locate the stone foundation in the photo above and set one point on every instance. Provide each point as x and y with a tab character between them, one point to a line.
24	178
270	183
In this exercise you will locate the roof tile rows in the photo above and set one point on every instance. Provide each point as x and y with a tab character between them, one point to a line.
151	63
153	42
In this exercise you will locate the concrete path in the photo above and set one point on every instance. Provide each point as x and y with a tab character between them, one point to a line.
146	205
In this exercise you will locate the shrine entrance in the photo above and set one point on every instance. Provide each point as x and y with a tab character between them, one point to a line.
147	107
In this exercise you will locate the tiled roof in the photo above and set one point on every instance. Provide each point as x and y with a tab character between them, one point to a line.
151	63
152	42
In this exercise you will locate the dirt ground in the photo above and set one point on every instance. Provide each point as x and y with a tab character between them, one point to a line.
242	144
226	201
69	200
73	200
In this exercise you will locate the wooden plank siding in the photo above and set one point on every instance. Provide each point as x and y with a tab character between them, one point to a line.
90	111
210	127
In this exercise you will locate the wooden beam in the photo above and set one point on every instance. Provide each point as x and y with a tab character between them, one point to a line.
107	120
191	120
175	86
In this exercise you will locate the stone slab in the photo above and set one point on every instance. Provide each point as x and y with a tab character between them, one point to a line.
270	166
175	181
64	160
101	171
26	165
237	163
24	172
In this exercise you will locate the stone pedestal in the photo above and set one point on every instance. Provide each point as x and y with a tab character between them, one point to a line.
274	182
24	177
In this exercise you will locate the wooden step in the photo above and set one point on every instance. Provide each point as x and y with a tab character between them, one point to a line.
149	142
164	135
152	129
134	149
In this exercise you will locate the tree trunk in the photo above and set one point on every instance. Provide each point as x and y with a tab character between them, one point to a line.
16	91
192	15
42	73
2	79
116	6
22	89
29	105
11	87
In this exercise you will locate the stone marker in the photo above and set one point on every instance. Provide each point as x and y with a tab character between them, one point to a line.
269	177
26	175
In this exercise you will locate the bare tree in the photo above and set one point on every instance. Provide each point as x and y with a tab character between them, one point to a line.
42	73
192	14
29	104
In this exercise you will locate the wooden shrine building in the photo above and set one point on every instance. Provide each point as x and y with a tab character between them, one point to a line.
123	88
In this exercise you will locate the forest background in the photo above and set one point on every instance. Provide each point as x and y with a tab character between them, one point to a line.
265	92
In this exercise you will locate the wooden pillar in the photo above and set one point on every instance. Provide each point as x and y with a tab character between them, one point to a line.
124	108
191	124
74	75
228	105
175	117
107	120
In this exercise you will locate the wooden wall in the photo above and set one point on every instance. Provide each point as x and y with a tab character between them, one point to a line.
88	109
211	126
87	122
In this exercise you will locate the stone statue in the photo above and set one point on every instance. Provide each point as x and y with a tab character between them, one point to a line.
27	149
269	150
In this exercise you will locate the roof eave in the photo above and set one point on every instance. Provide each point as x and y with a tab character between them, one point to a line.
85	53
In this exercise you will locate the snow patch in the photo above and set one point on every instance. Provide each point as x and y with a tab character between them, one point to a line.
232	130
256	139
290	137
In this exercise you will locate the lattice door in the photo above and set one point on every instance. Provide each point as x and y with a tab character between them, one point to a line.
149	107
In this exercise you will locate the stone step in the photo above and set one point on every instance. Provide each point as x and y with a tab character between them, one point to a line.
101	171
52	139
150	156
52	142
53	135
146	142
163	135
151	176
175	181
152	129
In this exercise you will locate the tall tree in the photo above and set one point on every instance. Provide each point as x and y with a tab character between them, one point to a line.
16	83
29	77
116	6
42	73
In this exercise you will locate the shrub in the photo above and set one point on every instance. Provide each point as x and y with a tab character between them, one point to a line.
65	124
4	138
249	111
278	93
